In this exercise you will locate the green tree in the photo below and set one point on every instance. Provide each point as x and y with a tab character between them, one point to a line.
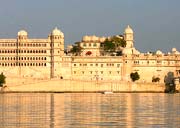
2	79
109	46
114	44
76	49
134	76
119	42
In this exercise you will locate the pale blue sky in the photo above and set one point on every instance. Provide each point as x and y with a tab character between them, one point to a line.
156	23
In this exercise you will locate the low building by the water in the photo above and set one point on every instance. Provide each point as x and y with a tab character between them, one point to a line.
45	58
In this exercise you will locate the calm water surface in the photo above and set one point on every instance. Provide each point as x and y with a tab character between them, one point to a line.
89	110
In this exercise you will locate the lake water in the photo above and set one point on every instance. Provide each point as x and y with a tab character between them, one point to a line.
89	110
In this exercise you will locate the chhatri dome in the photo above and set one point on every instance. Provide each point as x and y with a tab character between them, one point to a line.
57	32
128	30
22	33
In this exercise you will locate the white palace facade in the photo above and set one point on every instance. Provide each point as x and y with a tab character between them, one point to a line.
46	59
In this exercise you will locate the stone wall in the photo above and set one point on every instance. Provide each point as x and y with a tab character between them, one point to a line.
57	85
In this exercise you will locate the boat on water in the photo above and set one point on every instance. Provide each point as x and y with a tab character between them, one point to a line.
107	92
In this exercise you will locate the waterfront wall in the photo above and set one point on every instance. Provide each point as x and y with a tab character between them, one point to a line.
57	85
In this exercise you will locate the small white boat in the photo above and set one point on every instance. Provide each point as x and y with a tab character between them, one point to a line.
107	92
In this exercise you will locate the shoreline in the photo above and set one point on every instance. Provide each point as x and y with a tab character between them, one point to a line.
20	85
101	92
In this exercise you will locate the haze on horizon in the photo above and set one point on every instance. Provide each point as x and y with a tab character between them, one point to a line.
156	23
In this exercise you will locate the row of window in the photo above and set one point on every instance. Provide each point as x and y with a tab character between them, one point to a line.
89	44
158	62
22	64
23	58
23	44
95	72
23	51
101	65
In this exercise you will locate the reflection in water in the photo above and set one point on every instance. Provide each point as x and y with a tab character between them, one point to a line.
22	110
81	110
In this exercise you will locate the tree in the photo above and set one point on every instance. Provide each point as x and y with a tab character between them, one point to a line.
155	79
134	76
2	79
113	44
109	46
76	49
119	42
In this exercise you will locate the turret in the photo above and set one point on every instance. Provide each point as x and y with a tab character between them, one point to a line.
129	37
57	51
22	35
57	40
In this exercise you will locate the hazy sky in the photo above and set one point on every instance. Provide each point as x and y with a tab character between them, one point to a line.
156	23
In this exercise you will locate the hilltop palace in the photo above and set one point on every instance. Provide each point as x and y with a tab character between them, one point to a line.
45	58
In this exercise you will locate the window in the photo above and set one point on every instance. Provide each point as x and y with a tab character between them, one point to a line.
101	65
84	44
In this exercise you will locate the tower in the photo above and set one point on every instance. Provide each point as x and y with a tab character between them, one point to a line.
129	37
22	37
57	51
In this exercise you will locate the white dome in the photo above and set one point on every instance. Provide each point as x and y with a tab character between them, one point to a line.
57	32
159	52
22	33
128	30
174	49
85	38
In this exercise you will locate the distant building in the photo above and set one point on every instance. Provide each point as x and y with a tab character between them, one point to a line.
45	58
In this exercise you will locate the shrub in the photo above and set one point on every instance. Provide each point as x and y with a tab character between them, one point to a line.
2	79
155	79
134	76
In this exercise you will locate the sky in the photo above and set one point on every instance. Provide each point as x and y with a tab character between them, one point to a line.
156	23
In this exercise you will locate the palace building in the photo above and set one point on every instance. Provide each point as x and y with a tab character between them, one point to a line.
46	58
